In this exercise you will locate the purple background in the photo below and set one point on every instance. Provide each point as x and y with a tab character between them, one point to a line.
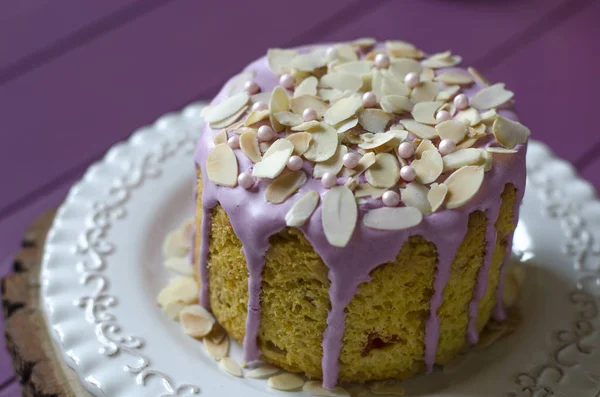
76	77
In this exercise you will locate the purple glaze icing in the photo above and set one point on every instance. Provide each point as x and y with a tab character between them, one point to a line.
254	220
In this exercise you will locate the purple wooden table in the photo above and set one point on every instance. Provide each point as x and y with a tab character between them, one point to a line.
76	77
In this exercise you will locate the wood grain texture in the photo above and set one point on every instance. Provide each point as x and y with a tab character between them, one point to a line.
39	367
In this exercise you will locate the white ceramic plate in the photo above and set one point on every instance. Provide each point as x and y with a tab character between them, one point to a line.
102	270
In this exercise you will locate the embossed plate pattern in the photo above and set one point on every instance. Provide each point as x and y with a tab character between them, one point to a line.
102	270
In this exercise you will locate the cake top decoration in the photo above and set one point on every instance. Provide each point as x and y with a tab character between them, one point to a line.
388	126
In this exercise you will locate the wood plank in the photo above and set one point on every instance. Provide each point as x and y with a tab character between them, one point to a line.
79	104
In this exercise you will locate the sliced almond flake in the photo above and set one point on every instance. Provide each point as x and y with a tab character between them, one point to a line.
289	119
196	321
453	130
180	289
447	93
285	382
343	109
172	309
424	92
429	167
299	104
403	66
454	78
392	218
364	43
346	124
489	116
236	128
323	144
220	137
264	97
396	104
377	83
339	214
227	108
510	294
279	60
330	94
415	195
500	150
403	49
255	117
424	112
378	139
275	159
463	184
488	160
230	120
231	367
462	158
385	173
249	145
364	163
478	131
301	141
284	186
427	75
300	75
308	86
393	86
421	130
374	120
478	77
333	165
342	81
217	349
351	183
441	60
424	145
491	97
222	166
263	372
315	388
302	209
179	265
390	388
308	62
357	68
467	143
366	189
468	116
306	126
218	335
236	83
280	102
346	53
436	195
352	136
510	133
175	245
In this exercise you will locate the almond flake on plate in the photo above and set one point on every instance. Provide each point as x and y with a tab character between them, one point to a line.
342	81
231	367
346	124
226	108
491	97
462	158
196	321
307	62
500	150
392	218
275	159
315	388
284	186
424	145
425	91
374	120
393	86
175	245
343	109
217	346
279	60
403	66
339	215
180	289
415	195
385	173
441	60
323	144
463	185
437	195
220	137
180	266
222	166
396	104
421	130
429	167
302	209
263	372
308	86
454	78
510	133
229	120
366	189
285	382
424	112
255	117
289	119
172	309
468	116
300	103
249	145
389	388
333	165
280	102
453	130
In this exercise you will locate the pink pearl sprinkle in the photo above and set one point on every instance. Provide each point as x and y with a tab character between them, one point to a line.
461	102
295	163
446	147
258	106
382	61
329	180
406	150
251	87
287	81
408	173
331	54
442	116
265	133
369	99
234	142
412	80
309	114
245	180
390	198
351	160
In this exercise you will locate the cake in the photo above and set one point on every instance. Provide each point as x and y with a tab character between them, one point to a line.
355	208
